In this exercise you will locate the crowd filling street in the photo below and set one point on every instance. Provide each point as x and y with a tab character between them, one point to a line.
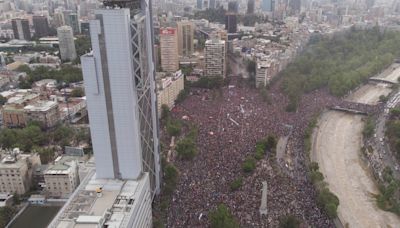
230	123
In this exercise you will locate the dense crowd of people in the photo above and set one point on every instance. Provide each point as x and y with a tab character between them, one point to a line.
230	123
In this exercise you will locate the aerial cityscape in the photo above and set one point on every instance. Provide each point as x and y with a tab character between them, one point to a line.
199	113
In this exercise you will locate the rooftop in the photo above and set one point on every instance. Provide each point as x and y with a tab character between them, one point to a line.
99	202
40	106
63	165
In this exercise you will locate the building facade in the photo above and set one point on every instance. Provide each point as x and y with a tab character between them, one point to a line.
262	73
66	43
168	90
71	18
21	29
41	26
215	58
16	171
231	22
13	111
169	49
185	38
268	5
119	86
58	19
44	112
61	178
250	6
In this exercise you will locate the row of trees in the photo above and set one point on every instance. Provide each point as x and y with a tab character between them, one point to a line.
66	73
249	164
340	62
262	147
33	138
389	197
393	131
325	198
212	15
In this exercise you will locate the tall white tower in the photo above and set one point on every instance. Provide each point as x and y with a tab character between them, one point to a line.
120	90
66	43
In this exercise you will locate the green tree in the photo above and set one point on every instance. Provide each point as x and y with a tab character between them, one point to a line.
78	92
222	218
339	62
249	165
174	127
289	221
63	135
170	178
3	100
328	201
165	112
251	67
186	148
6	214
182	96
236	184
46	154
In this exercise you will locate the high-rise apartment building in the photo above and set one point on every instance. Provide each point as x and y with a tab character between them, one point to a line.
212	4
41	26
262	75
215	58
199	4
233	7
62	178
71	19
231	22
268	5
58	19
250	6
185	38
120	91
66	43
169	49
21	29
168	88
16	171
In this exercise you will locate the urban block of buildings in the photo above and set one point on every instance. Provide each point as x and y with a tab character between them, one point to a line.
16	171
62	177
215	58
120	91
169	49
169	85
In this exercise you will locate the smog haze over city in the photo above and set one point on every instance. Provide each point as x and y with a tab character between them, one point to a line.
199	113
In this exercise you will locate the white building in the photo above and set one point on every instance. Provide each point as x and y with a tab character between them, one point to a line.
169	49
215	58
62	178
108	203
168	89
262	76
16	170
120	92
119	86
66	43
111	98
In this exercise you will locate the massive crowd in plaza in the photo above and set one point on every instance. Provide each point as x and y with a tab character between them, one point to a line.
229	127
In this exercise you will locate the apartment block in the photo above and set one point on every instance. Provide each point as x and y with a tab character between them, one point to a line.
185	38
62	178
45	112
169	49
169	86
215	58
16	171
